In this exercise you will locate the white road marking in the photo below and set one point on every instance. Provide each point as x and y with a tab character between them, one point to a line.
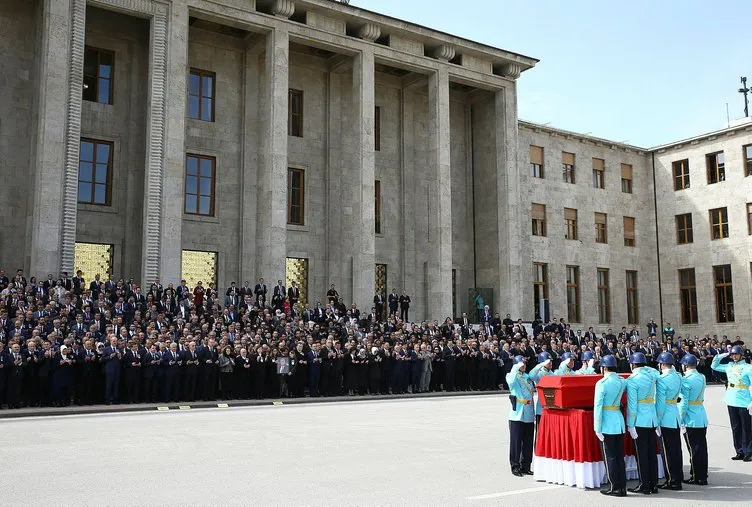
511	493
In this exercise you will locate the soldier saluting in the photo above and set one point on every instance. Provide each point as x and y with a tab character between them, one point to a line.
608	423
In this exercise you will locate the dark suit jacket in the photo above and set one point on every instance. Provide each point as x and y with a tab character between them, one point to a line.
111	362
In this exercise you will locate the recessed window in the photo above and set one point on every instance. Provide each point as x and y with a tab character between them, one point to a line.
539	219
573	293
295	196
626	178
747	160
716	163
599	173
604	297
688	296
536	162
724	293
199	185
719	223
567	168
570	215
629	231
681	174
95	172
633	303
295	112
377	206
201	95
684	233
99	65
540	286
601	228
749	218
377	128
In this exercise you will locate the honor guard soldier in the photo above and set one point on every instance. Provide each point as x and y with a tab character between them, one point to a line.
668	389
542	369
588	363
608	423
694	420
739	399
521	418
642	422
565	367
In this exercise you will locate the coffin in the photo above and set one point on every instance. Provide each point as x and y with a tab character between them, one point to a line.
568	391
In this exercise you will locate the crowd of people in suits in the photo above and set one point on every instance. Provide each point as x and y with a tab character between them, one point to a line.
65	340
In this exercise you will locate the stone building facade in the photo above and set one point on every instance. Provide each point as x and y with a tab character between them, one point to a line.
322	143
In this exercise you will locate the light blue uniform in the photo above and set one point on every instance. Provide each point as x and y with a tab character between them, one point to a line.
522	387
667	390
586	370
641	398
535	375
607	417
691	409
740	376
563	369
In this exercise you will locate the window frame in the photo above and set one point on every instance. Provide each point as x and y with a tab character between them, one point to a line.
540	284
684	226
725	286
111	79
377	128
573	288
688	296
722	226
626	183
110	165
630	242
572	232
601	227
201	75
633	298
539	225
604	296
715	168
198	194
599	173
377	206
295	120
568	162
747	157
682	177
749	218
290	205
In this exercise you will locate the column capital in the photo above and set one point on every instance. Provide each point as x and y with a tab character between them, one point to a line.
369	32
445	52
283	8
512	70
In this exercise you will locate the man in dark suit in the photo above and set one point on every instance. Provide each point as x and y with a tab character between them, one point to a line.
232	296
314	370
171	378
393	300
486	317
190	372
404	303
112	357
378	303
280	291
208	363
78	283
149	363
132	364
293	294
15	366
260	291
95	286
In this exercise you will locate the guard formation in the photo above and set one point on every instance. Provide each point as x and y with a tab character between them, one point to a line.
663	407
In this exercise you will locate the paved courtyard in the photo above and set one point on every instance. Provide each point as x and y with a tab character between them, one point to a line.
442	451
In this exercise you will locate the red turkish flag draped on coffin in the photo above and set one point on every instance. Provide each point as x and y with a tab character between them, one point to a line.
567	451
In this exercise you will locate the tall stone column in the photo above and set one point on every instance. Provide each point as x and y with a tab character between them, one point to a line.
272	201
163	196
363	234
440	209
55	161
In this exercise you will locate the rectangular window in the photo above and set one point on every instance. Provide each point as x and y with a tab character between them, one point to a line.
626	178
573	293
377	206
629	231
688	296
601	228
719	223
716	167
296	272
198	266
749	218
201	97
681	174
632	298
747	160
724	293
295	112
599	173
539	219
94	259
95	172
604	297
568	167
200	174
295	196
684	229
99	66
380	282
570	215
540	286
377	128
536	162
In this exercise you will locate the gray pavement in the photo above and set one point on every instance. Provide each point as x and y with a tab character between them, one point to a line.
427	451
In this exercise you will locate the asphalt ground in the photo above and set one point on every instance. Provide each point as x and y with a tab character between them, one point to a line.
416	451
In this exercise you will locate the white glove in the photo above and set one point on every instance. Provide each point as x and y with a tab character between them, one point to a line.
658	432
568	362
749	408
725	354
633	432
600	436
683	430
546	362
591	363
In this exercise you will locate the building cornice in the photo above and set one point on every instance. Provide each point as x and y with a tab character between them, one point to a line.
599	141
